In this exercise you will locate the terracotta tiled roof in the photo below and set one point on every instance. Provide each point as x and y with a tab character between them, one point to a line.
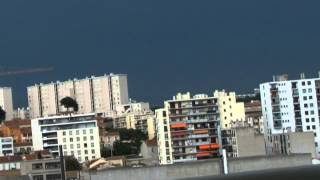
10	159
17	123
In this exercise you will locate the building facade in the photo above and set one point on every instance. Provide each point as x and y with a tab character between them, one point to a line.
243	142
142	121
19	130
291	106
293	143
188	129
6	146
6	102
254	116
232	113
78	134
95	94
21	113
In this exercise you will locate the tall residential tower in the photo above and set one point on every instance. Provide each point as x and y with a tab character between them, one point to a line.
94	95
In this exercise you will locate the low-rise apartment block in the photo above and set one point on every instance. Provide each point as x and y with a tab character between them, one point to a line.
78	134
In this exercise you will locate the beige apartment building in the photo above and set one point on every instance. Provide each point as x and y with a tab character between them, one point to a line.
94	95
6	102
232	113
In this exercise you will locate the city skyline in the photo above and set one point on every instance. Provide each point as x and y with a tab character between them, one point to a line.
164	49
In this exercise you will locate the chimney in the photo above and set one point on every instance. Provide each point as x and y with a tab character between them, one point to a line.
274	78
319	74
302	76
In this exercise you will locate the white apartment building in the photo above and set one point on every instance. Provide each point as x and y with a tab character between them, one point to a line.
133	107
232	113
94	95
6	146
21	113
291	106
78	134
6	101
164	137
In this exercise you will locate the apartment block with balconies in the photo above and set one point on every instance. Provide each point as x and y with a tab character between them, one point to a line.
192	129
291	106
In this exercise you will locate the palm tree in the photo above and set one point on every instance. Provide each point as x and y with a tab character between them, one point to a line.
68	103
2	115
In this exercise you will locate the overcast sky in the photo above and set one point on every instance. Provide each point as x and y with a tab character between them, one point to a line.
163	46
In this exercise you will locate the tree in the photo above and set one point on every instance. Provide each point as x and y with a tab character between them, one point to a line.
2	115
130	142
69	102
72	164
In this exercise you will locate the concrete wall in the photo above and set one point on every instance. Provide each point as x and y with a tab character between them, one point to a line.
170	172
201	168
265	162
249	143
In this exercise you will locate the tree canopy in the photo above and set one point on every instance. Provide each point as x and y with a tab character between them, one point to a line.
72	164
2	115
69	102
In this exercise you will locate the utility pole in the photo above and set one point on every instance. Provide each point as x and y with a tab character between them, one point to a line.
62	163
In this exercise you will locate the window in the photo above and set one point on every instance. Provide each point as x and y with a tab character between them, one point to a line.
71	139
313	127
63	133
303	83
70	133
312	112
85	145
85	138
78	146
64	140
71	146
310	97
307	120
305	98
92	138
310	90
85	151
64	146
87	159
306	113
309	82
308	127
37	166
304	91
77	132
91	131
78	139
93	151
93	157
92	145
79	152
84	132
311	105
313	119
305	105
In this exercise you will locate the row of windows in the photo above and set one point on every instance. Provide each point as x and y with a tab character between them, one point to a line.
86	152
313	127
78	139
307	90
84	131
72	146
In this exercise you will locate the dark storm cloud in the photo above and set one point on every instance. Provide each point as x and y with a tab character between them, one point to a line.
164	46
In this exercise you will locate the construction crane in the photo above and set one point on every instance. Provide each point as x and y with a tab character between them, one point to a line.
13	72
